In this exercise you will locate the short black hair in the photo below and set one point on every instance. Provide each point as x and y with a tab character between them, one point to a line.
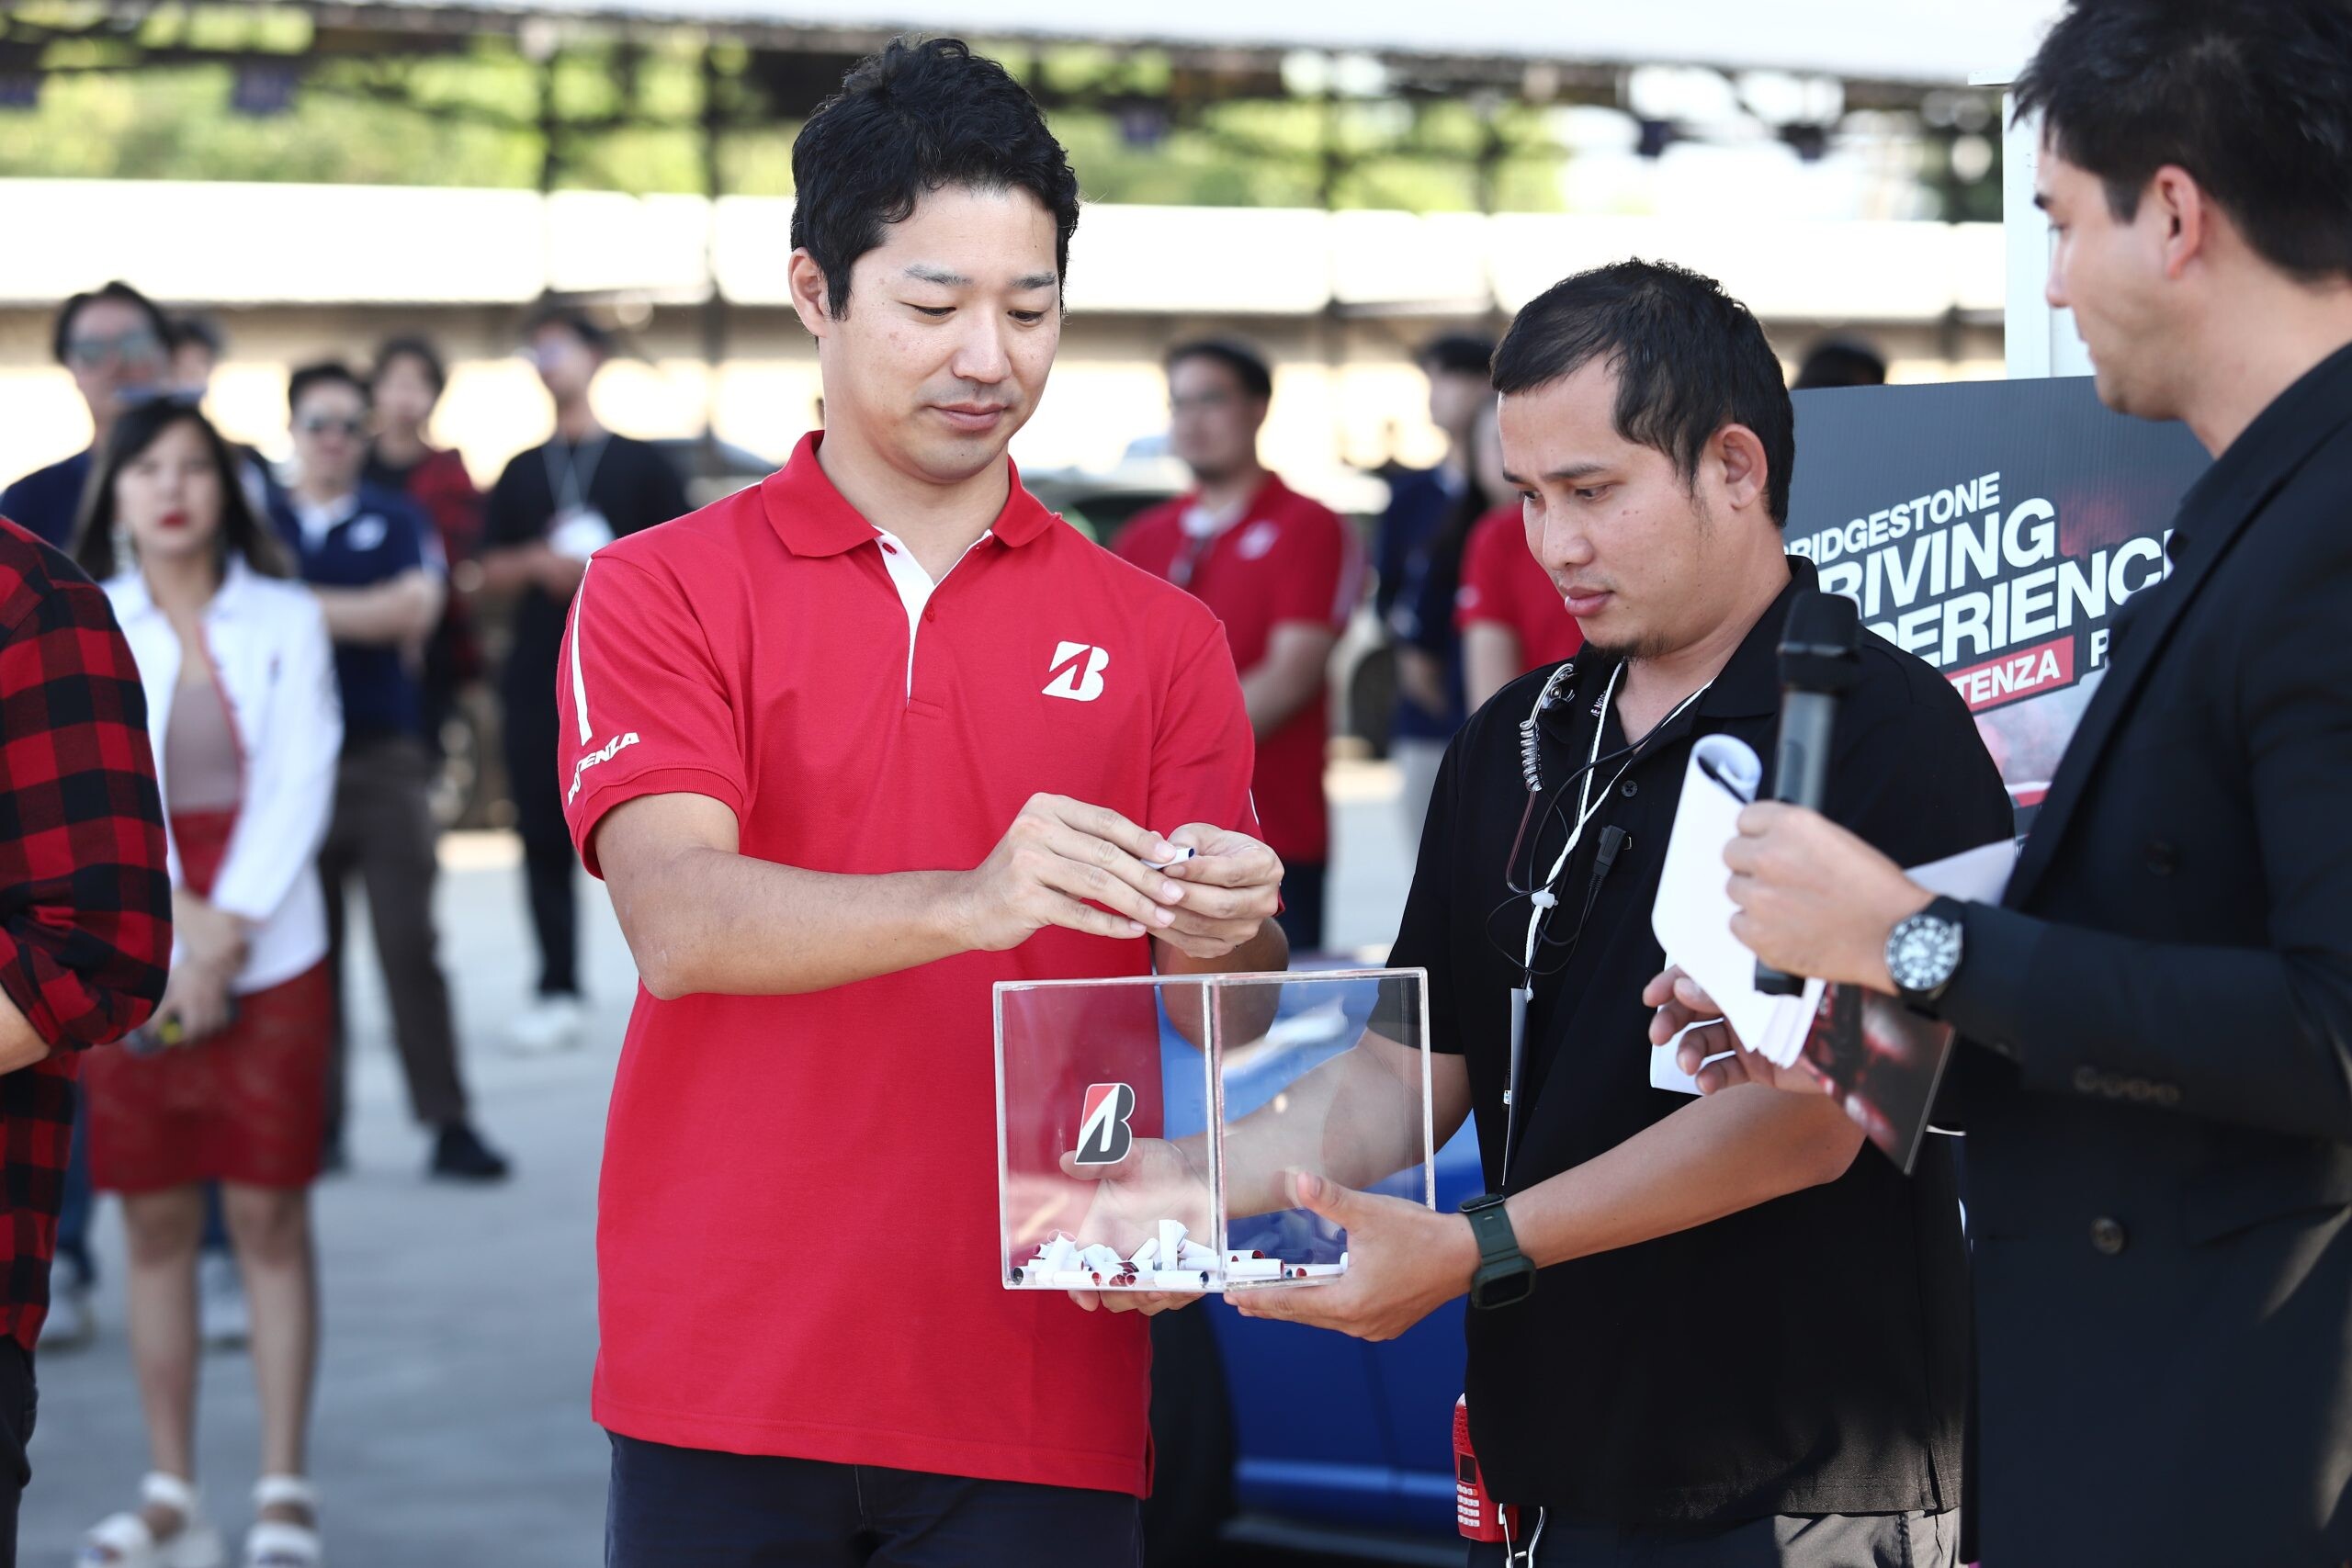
410	347
1840	361
325	373
201	330
914	118
1248	366
572	318
2249	96
1457	354
1690	359
61	331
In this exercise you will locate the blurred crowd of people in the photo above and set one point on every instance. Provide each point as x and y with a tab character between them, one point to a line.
300	650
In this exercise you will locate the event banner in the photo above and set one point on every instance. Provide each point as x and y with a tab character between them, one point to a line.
1993	528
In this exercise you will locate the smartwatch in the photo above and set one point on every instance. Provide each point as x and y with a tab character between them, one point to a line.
1505	1274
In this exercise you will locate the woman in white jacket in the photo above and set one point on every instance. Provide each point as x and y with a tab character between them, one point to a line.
228	1083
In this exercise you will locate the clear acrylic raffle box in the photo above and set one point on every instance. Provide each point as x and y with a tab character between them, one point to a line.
1148	1129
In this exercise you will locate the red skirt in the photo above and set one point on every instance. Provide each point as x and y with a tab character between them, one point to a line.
246	1105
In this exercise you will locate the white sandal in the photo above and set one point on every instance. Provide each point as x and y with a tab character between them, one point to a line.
124	1540
280	1543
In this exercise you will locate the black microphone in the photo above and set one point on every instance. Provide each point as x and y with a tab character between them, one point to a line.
1820	662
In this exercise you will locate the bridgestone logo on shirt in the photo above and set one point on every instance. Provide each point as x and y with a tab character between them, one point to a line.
603	753
1080	683
1103	1136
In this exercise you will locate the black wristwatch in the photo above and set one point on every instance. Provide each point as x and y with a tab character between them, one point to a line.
1505	1274
1923	952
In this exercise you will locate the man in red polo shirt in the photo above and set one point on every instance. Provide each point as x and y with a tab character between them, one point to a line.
1282	572
1509	610
849	747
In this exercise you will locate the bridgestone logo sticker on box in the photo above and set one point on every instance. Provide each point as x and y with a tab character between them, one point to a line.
1103	1136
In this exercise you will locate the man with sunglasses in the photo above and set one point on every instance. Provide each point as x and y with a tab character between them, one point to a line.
1647	432
370	556
117	344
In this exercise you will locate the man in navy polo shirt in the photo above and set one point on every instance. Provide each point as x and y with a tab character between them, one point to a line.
365	552
118	346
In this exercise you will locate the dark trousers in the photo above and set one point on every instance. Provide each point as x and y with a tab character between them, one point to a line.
17	1403
693	1508
547	861
1789	1541
1301	916
383	830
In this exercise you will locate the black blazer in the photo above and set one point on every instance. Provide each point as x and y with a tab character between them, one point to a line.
2160	1185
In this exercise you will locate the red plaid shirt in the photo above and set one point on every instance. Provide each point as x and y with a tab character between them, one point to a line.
85	902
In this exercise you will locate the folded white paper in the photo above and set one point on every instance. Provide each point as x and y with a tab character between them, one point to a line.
1692	916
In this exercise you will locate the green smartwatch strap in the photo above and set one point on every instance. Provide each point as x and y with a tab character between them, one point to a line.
1491	1223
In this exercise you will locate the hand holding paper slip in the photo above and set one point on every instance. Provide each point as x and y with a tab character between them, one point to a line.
1692	915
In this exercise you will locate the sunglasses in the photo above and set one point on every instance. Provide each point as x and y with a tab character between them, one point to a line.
326	424
89	353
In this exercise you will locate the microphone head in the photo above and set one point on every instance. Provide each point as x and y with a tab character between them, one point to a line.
1820	643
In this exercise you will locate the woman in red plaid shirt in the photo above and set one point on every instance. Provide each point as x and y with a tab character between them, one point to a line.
85	919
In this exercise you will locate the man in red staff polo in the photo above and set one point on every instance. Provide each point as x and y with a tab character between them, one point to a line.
1282	575
849	747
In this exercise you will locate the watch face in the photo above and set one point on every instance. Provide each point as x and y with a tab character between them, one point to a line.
1502	1289
1923	951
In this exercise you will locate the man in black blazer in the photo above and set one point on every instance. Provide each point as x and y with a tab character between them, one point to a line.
2157	1083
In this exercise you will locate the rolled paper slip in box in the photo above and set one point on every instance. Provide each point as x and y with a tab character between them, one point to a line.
1102	1261
1059	1254
1254	1269
1192	1255
1318	1270
1144	1254
1071	1279
1171	1238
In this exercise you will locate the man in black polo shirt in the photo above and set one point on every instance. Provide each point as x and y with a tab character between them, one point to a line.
2155	1017
1645	425
554	505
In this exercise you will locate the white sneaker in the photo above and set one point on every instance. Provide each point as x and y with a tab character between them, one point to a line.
220	1302
548	1025
72	1322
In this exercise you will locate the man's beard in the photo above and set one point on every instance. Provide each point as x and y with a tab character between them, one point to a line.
1652	645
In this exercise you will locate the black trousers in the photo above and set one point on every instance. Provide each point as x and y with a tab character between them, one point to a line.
1789	1541
18	1402
1301	916
547	862
694	1508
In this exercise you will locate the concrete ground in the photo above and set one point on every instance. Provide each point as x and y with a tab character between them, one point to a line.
452	1423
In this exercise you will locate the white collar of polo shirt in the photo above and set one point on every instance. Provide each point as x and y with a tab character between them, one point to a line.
916	586
319	520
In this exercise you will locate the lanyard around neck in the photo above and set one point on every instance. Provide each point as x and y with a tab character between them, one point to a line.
1546	898
569	491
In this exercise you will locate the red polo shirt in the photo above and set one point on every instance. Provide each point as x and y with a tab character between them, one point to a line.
797	1225
1286	558
1503	585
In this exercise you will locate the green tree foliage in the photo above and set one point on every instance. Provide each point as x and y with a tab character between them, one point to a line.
627	116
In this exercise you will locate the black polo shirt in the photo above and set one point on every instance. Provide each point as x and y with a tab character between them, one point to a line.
631	482
1807	1356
